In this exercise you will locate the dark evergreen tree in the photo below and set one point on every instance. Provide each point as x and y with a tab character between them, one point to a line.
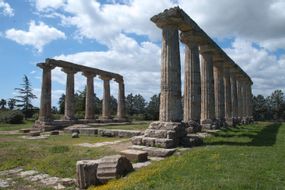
152	109
11	103
25	97
2	104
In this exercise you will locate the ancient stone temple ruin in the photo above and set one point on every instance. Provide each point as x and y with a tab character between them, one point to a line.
217	92
45	120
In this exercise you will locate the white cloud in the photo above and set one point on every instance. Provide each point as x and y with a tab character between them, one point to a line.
37	36
265	69
138	63
6	9
112	24
44	5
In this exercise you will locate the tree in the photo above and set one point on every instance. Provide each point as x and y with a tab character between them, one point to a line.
260	108
135	104
61	103
2	104
113	105
12	103
25	97
277	104
152	109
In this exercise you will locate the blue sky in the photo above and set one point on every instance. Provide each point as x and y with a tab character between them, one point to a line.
118	36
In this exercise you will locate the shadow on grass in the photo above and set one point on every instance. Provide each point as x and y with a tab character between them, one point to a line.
235	136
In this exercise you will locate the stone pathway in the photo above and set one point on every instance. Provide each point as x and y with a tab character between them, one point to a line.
9	178
99	144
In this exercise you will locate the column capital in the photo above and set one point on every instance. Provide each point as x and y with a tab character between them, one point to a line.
167	18
119	80
105	78
69	70
46	66
88	74
206	49
191	38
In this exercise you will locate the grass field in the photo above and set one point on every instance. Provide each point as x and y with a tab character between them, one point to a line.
12	127
55	156
248	157
128	127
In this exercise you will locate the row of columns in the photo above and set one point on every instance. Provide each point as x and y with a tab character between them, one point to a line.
69	110
214	89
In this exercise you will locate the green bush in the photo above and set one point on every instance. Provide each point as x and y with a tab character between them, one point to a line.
12	116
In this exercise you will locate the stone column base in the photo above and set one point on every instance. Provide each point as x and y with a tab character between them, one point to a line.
229	122
118	119
193	126
104	119
209	124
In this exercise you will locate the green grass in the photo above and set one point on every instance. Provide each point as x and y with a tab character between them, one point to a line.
128	127
11	127
55	156
248	157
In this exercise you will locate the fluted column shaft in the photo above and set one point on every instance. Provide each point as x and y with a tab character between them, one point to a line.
240	99
234	96
219	90
106	114
69	94
192	80
45	105
170	86
121	100
89	103
207	87
228	99
245	102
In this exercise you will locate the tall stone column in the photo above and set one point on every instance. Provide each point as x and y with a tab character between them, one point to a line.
45	105
106	113
207	88
250	102
228	96
121	100
240	99
89	103
69	94
170	86
192	80
219	90
234	97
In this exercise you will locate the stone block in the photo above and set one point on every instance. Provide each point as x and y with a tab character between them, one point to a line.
75	135
155	133
86	173
148	141
113	167
128	133
34	133
88	131
137	140
154	151
135	155
107	133
56	132
25	130
164	143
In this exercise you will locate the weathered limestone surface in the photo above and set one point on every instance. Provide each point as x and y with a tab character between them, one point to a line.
228	96
86	171
170	86
154	151
135	155
240	99
207	88
121	101
219	91
69	97
89	104
234	98
192	80
106	114
45	105
113	167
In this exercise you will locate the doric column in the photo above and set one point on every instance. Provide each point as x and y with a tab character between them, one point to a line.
106	114
234	96
245	102
192	79
228	96
69	94
207	87
250	101
121	100
45	105
219	90
240	99
170	85
89	103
